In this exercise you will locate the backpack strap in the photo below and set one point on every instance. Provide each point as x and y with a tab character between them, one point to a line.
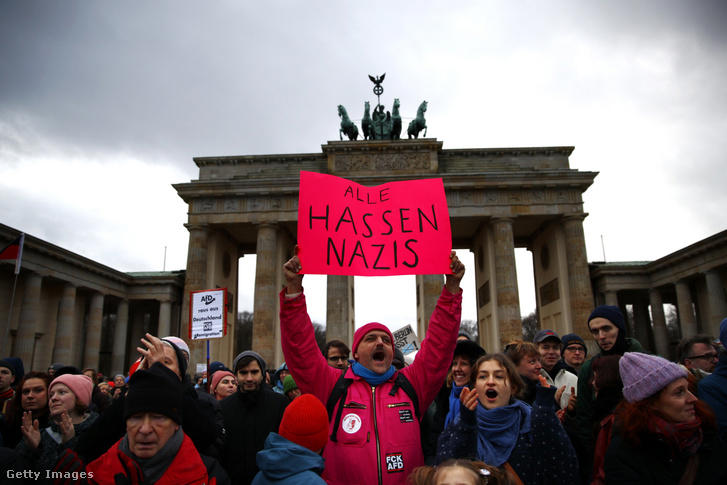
402	382
340	391
338	395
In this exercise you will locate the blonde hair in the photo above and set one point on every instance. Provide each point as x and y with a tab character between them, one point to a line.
482	474
519	349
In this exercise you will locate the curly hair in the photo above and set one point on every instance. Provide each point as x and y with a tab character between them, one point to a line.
632	418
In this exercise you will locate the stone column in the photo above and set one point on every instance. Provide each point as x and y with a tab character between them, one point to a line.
661	336
266	292
579	279
429	287
642	324
508	301
339	308
717	303
687	321
165	318
195	279
120	332
137	311
93	332
611	298
63	348
29	318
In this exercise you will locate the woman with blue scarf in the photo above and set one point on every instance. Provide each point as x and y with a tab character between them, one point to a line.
528	443
445	407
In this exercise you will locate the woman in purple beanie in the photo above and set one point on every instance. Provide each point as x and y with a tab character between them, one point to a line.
663	434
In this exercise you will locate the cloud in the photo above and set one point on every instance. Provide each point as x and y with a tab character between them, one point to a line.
104	105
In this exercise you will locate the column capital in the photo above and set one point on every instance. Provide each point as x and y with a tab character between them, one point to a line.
503	219
196	227
29	273
574	217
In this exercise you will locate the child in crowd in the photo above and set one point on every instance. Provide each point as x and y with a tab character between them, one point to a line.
457	472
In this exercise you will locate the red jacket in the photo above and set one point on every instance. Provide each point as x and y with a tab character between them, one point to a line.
378	437
187	467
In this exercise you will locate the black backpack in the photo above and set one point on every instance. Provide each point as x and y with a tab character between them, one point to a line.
340	390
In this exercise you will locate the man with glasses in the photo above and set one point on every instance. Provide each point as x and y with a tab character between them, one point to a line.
713	388
574	351
336	353
698	355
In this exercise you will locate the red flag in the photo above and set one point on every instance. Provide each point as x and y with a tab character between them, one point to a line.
14	250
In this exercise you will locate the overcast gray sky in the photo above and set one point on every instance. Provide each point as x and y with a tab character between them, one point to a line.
104	104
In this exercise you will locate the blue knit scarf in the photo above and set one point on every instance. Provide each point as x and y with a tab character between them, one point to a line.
453	405
498	430
370	376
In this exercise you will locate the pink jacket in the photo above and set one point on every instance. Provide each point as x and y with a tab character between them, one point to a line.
378	437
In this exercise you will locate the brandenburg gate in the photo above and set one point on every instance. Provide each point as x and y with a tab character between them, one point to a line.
499	199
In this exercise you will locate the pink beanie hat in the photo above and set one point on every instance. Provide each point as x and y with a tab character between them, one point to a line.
80	385
217	377
359	335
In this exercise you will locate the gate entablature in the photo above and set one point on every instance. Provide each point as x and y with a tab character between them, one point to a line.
498	199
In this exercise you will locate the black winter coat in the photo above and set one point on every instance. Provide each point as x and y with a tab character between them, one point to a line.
433	424
652	462
249	417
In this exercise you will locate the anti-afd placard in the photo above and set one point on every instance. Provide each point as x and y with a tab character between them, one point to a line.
406	340
208	314
397	228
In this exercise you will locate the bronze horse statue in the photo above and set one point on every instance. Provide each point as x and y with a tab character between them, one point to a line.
419	123
396	121
347	126
366	123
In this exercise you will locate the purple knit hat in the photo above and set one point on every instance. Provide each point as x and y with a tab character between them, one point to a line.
644	375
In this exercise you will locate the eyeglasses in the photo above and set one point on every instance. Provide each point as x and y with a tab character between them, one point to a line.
707	356
337	358
575	348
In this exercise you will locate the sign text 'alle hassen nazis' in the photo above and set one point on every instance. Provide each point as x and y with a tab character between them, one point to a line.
397	228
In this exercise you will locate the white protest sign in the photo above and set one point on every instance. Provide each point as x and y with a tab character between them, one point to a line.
201	368
208	314
406	340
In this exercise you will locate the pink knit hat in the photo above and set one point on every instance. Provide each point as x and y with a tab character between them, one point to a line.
361	332
80	385
217	377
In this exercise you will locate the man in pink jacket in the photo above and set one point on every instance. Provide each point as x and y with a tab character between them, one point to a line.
376	439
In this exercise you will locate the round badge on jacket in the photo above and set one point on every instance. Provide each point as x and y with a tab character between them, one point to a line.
351	423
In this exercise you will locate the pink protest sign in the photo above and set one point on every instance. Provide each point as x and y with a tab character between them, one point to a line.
345	228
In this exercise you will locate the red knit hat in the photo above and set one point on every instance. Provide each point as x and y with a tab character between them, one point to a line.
305	422
359	335
80	385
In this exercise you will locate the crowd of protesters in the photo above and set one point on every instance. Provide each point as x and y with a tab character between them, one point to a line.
540	412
